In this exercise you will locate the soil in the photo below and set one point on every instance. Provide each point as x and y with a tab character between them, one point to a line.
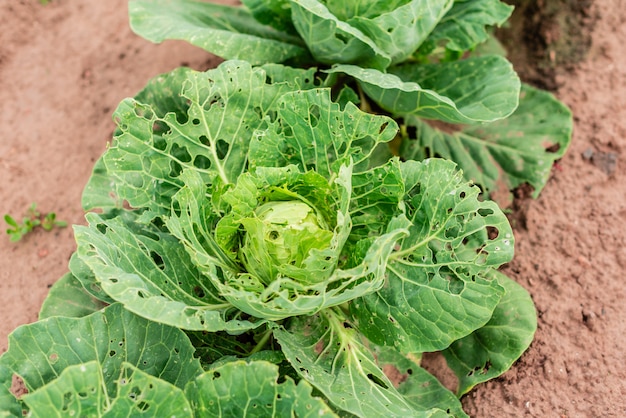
65	66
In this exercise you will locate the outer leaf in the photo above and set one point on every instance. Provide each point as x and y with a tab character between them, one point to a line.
225	106
463	27
314	133
151	274
68	297
519	149
419	388
39	352
229	32
402	29
492	349
438	288
79	391
331	40
479	89
242	389
330	356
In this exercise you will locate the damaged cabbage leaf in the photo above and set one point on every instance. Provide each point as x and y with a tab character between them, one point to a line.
504	154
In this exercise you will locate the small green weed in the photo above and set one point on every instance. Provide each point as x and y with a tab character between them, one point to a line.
31	220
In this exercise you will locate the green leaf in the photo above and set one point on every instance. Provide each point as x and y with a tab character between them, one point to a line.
314	133
400	30
39	352
419	388
330	355
225	106
226	31
68	297
87	279
478	89
331	40
150	272
502	155
491	350
79	391
464	26
438	288
242	389
276	13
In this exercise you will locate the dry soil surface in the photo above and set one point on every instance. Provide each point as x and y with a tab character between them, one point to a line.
65	66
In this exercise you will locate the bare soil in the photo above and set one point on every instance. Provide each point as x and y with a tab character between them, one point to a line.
65	66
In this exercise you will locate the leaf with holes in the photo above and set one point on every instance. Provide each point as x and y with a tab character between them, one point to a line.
437	289
331	355
253	389
502	155
79	391
489	351
150	272
208	132
38	353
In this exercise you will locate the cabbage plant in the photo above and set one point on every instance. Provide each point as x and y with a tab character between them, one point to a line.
249	253
417	61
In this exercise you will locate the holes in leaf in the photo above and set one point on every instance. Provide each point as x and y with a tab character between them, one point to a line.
201	162
143	406
342	148
221	147
216	375
377	380
143	112
176	208
204	140
175	169
341	37
67	400
552	148
102	228
157	260
216	99
180	153
273	235
140	294
492	232
288	133
199	292
455	285
314	115
159	143
484	212
462	195
480	369
415	190
452	232
112	353
195	121
135	393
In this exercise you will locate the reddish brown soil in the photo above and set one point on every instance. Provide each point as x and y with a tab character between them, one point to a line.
65	66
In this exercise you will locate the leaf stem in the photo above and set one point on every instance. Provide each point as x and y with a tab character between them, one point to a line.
262	342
